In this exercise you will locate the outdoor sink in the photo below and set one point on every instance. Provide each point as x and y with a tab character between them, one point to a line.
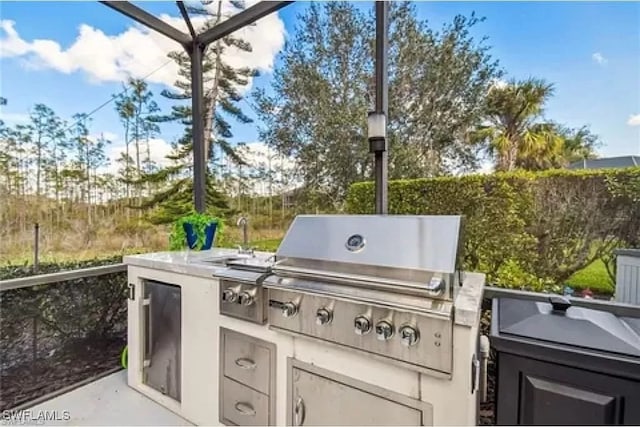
219	259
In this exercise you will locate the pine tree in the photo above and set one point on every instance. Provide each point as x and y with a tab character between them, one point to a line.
45	126
221	99
136	109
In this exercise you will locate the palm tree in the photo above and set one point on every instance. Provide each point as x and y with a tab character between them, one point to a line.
579	144
514	131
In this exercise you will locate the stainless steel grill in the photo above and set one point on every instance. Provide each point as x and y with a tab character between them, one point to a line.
384	285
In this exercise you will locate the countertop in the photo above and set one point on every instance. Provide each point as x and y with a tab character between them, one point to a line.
467	302
192	263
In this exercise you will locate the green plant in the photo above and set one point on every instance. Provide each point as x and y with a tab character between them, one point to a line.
593	277
529	230
178	237
270	245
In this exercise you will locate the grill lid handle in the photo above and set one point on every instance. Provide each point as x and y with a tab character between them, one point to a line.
559	304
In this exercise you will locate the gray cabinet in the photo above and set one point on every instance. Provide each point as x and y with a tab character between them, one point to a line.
532	392
320	397
564	365
247	380
162	337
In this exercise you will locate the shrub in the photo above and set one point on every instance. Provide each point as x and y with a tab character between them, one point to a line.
524	229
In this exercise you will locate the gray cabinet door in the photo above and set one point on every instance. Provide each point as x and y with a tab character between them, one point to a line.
317	399
532	392
162	331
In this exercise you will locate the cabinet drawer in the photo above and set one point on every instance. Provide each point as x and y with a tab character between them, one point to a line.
243	406
247	360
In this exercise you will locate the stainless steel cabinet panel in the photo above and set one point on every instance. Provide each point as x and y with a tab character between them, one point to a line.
247	361
431	354
320	397
247	379
162	333
243	406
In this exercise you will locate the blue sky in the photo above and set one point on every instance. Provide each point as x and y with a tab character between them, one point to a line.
589	50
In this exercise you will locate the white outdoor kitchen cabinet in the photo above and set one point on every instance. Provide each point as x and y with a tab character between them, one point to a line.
220	369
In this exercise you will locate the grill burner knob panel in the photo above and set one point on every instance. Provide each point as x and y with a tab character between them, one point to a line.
289	309
409	335
324	316
229	295
246	298
384	330
362	325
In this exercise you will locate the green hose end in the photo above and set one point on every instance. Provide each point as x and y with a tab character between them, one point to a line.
124	357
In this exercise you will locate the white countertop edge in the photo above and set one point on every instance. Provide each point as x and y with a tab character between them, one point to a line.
468	301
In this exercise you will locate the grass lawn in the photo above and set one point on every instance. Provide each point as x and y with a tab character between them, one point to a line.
267	245
594	276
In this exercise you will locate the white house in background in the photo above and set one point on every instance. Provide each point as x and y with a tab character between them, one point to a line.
607	163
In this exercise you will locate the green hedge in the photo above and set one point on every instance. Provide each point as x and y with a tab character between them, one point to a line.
525	229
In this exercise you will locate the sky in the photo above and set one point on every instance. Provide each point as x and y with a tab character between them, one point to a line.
73	56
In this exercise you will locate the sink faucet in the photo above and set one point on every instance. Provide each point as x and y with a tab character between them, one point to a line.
244	248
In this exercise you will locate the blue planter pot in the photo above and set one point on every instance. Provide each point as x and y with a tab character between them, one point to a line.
192	237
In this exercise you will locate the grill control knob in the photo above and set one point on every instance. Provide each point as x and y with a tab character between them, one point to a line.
324	316
384	330
245	298
229	295
409	335
289	309
362	325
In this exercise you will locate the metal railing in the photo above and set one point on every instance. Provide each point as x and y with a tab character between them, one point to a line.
61	276
60	329
65	329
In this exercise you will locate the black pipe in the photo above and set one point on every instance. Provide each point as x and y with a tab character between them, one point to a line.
379	146
197	110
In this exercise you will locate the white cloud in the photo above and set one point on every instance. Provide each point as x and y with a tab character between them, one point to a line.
158	148
260	156
486	167
135	52
109	136
634	120
599	58
14	118
499	83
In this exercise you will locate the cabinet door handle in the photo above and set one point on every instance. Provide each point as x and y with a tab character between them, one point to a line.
299	412
245	363
146	306
245	409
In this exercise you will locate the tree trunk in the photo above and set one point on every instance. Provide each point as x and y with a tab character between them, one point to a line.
127	177
212	95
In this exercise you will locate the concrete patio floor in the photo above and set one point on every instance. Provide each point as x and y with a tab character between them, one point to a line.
107	401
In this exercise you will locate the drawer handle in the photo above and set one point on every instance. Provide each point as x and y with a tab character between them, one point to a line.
299	412
245	409
245	363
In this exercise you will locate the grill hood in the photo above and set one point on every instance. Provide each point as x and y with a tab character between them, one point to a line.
403	251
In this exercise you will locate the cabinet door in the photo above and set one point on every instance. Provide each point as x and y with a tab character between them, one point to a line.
325	398
532	392
162	324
